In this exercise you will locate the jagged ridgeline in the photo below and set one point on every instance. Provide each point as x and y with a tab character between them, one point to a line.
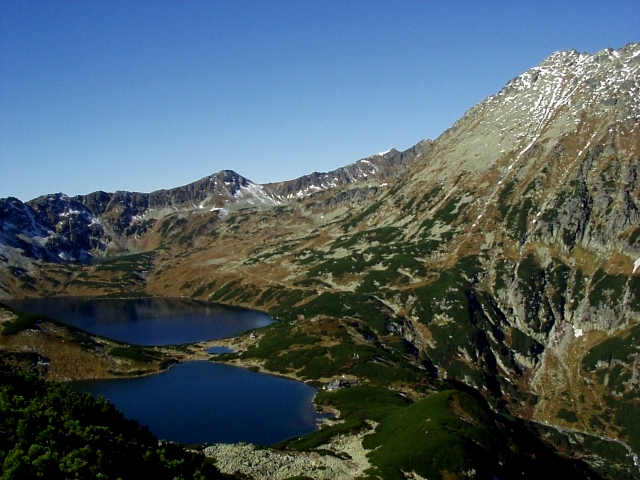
503	255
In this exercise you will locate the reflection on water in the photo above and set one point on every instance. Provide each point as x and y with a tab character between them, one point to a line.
148	321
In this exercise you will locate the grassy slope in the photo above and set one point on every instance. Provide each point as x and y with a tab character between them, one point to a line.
63	352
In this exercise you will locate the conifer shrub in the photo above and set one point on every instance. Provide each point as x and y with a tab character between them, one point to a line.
30	320
428	198
567	415
517	219
633	237
634	290
605	287
353	221
524	344
222	292
503	203
135	353
612	348
51	431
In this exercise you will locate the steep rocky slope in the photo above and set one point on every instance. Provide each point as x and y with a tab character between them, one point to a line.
504	255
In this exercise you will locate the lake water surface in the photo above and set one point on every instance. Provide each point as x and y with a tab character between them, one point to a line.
193	402
147	321
205	402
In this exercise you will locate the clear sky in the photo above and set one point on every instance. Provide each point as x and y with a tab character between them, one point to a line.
149	94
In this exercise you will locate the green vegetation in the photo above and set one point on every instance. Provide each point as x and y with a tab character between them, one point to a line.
199	291
454	445
24	321
353	221
567	415
270	294
445	435
311	283
446	215
613	348
382	235
342	338
253	259
633	237
609	459
28	320
407	206
356	405
286	302
428	198
524	344
337	267
501	268
467	332
128	263
222	293
634	293
517	220
503	205
578	288
449	294
531	282
346	304
306	256
51	431
452	432
606	288
627	416
135	353
172	223
558	278
611	363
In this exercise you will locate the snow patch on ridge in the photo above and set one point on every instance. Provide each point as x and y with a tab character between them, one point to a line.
255	191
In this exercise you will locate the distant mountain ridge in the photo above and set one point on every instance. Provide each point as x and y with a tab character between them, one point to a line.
504	255
57	227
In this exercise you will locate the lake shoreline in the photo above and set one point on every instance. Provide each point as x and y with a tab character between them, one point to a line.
201	402
78	349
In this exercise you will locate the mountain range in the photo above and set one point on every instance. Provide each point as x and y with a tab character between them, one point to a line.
504	255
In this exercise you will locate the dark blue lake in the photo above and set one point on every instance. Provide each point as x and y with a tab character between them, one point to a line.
147	321
200	402
193	402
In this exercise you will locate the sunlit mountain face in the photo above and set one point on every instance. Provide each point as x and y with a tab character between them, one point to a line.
503	256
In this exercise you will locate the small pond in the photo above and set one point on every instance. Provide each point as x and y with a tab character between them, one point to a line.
147	321
204	402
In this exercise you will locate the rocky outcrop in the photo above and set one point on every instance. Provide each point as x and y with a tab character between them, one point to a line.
380	168
52	228
346	460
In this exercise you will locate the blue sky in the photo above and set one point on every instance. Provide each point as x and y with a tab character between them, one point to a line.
144	95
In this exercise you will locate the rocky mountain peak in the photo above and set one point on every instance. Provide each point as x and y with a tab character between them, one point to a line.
505	254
